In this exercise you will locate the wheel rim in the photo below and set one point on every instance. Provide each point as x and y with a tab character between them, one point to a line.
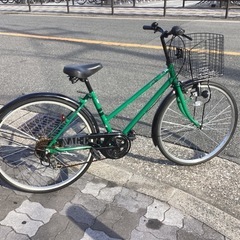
21	166
184	143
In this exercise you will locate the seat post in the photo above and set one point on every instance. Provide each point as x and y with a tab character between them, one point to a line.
89	87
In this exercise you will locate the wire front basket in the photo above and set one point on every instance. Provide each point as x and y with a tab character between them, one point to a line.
201	58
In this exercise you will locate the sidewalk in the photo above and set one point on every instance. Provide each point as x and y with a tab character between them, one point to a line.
94	208
153	8
113	202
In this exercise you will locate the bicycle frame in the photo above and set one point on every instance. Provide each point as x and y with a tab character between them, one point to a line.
172	80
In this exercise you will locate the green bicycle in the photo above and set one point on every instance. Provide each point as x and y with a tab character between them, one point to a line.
48	140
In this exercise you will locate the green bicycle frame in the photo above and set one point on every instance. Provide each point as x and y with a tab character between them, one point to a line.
172	80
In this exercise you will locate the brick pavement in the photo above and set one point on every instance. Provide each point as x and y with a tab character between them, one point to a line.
94	208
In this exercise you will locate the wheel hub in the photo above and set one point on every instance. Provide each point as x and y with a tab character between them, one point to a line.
40	150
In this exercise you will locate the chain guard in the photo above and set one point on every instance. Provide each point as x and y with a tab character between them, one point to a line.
116	146
112	145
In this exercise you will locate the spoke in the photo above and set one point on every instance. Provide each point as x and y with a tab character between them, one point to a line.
222	121
211	139
217	115
20	131
16	151
32	125
187	125
215	106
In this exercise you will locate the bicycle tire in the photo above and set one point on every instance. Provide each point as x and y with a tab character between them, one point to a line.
182	142
26	128
98	2
81	2
4	1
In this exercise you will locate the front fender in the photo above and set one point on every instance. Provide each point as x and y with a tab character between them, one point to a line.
159	109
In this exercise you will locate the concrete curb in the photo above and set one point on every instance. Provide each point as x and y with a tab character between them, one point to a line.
152	11
188	204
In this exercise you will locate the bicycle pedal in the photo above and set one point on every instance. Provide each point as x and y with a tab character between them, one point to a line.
96	154
132	135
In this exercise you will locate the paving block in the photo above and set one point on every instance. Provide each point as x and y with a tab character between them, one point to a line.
21	223
96	235
108	194
157	210
93	188
210	233
193	225
137	235
132	200
56	226
16	236
174	217
157	229
10	203
36	211
93	205
78	214
61	228
82	181
4	231
55	200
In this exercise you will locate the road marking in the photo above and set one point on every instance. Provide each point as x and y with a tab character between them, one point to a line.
97	42
80	40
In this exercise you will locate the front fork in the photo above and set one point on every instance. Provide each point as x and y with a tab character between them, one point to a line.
182	104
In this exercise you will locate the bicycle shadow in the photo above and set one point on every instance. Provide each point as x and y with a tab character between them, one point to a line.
140	125
90	225
151	160
123	120
5	184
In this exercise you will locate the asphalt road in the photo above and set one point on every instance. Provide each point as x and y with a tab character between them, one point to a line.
30	64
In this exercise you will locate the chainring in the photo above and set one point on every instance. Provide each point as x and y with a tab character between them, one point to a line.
116	146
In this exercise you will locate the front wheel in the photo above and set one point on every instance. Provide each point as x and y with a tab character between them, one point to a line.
27	127
179	140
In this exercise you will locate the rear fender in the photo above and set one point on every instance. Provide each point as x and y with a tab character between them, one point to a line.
44	96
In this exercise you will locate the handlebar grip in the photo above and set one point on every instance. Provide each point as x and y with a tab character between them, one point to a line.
147	27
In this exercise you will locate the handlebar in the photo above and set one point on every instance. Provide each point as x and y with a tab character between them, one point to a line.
175	31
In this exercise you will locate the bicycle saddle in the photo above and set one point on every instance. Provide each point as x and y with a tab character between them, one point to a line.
82	71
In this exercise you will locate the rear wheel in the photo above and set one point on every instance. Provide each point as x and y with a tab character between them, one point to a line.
182	142
25	131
